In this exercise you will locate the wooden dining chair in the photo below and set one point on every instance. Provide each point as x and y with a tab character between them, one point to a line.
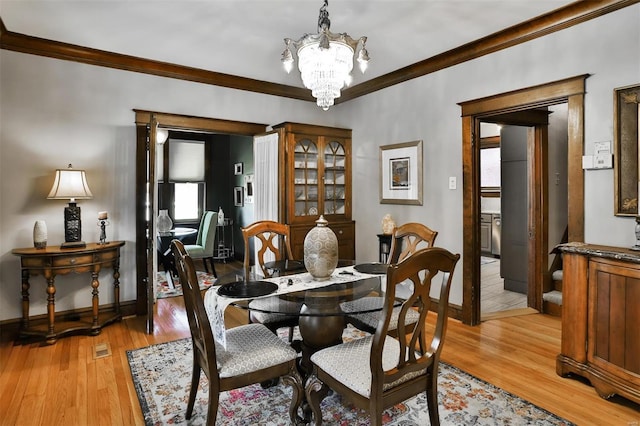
205	241
253	354
407	239
273	239
379	371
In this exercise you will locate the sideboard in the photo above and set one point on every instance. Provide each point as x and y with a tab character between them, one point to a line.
54	260
601	318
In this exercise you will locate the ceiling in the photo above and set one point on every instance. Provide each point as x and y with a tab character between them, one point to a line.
245	37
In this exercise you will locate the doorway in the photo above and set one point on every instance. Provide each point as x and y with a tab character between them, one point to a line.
146	124
519	107
508	175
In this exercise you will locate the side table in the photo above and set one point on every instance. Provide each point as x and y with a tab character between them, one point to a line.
53	261
384	242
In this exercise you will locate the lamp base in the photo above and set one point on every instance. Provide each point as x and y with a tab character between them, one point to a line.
73	244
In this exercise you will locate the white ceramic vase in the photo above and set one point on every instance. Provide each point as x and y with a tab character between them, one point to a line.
164	221
388	224
40	234
321	250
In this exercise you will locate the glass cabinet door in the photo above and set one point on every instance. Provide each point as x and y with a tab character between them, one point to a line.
334	177
305	177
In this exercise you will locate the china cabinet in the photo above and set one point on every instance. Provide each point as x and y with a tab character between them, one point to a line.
317	181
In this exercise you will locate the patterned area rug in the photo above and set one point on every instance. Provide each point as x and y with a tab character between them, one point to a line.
162	374
205	279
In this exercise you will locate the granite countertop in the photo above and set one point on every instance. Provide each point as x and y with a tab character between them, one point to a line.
607	252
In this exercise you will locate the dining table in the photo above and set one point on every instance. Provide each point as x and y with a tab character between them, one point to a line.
163	242
322	319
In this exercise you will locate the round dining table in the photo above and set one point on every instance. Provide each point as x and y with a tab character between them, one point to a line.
321	317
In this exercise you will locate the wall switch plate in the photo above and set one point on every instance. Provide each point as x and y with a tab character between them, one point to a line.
603	161
453	184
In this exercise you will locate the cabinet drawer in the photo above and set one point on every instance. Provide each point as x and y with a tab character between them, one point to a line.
83	259
345	233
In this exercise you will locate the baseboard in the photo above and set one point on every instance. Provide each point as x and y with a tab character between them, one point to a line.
10	328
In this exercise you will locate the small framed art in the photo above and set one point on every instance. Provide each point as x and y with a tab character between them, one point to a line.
401	173
248	192
238	196
237	169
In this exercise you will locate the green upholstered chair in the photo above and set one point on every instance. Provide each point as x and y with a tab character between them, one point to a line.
205	242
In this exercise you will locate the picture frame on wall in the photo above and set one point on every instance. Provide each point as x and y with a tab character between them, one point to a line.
627	145
238	196
248	189
237	169
401	173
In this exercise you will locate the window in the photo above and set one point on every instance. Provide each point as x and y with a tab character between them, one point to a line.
186	201
490	180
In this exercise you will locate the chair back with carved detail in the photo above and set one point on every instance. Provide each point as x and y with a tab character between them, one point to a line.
382	370
409	238
273	238
253	354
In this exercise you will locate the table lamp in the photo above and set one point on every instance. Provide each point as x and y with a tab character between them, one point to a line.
71	184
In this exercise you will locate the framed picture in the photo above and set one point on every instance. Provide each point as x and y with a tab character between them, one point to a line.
237	169
238	196
626	109
248	189
401	173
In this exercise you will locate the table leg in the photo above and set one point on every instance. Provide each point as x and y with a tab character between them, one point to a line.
116	285
319	329
51	306
25	299
95	299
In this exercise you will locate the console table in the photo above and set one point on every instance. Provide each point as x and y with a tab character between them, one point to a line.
53	261
600	318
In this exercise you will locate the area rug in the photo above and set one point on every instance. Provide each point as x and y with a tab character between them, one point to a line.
162	375
205	279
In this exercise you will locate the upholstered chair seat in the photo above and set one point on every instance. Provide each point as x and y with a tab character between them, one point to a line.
249	348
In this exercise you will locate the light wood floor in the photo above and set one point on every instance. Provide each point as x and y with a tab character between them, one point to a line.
63	385
493	297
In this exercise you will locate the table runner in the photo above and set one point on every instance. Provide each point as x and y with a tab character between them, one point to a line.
215	305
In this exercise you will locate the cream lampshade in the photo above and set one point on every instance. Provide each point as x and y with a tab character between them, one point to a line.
71	184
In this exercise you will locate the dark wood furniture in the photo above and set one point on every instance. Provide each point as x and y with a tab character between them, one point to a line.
53	261
601	317
316	181
253	353
321	317
406	240
409	238
366	380
272	238
384	246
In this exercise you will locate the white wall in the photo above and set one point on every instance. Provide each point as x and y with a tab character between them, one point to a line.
54	112
608	48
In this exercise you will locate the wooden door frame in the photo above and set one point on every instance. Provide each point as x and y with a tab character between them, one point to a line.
143	120
570	91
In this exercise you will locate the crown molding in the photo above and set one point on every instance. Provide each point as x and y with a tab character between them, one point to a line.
559	19
70	52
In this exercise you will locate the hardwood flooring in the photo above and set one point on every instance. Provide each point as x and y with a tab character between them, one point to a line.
493	297
63	384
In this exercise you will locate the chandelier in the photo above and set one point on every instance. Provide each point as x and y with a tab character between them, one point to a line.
325	60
